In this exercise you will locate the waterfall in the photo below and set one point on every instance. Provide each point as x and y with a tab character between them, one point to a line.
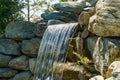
53	49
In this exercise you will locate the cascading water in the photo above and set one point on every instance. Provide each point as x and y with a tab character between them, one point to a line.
52	49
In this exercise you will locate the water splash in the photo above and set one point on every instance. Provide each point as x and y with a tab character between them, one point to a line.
52	49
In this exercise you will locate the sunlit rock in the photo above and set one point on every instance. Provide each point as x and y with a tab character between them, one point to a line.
106	51
71	71
98	77
106	21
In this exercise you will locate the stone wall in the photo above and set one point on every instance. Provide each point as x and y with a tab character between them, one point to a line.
97	38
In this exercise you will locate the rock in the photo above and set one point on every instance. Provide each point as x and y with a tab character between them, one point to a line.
53	22
92	2
20	30
7	73
91	41
19	63
62	16
32	63
113	70
23	76
98	77
71	71
9	47
83	20
40	28
31	47
4	60
106	21
74	7
106	51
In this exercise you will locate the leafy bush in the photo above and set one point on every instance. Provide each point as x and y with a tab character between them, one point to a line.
10	10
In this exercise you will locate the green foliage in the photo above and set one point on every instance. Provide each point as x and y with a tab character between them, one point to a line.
10	10
82	60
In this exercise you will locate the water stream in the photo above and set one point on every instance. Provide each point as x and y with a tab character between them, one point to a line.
52	49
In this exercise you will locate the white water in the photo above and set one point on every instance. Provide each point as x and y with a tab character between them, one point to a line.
52	49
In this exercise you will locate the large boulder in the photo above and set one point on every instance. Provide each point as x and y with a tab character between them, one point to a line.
106	21
20	30
106	51
19	63
7	73
71	71
4	60
31	47
23	76
113	70
9	47
74	7
98	77
63	16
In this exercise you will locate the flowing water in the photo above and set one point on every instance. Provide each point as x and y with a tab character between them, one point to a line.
52	49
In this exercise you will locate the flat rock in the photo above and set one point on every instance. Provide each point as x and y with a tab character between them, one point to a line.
4	60
74	7
19	63
53	22
23	76
9	47
31	47
7	73
63	16
20	30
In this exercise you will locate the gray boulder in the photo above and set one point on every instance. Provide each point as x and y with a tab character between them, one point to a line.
20	30
74	7
31	47
19	63
106	21
91	41
53	22
40	28
4	60
63	16
7	73
32	63
9	47
23	76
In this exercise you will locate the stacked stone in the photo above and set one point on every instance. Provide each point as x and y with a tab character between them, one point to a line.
18	51
105	44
